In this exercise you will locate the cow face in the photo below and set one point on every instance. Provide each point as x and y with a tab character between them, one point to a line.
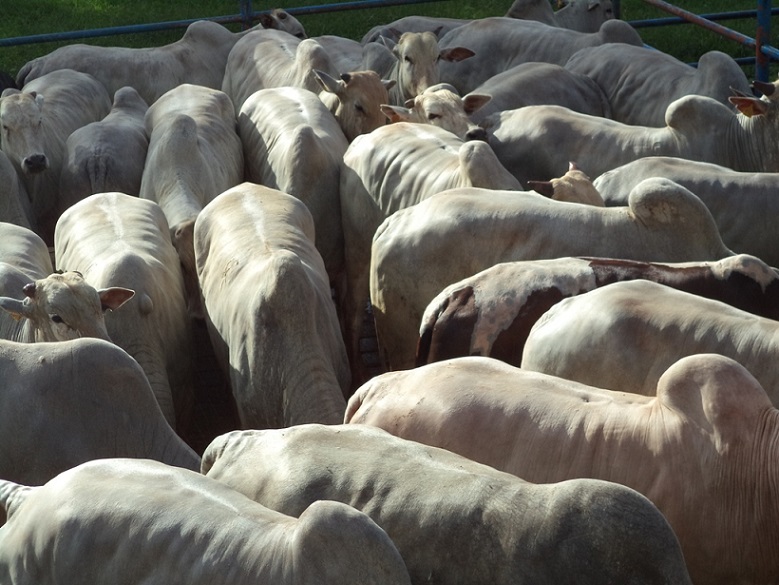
359	97
21	131
440	106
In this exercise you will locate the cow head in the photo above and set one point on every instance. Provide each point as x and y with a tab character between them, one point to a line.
355	100
282	20
21	130
64	306
418	55
441	106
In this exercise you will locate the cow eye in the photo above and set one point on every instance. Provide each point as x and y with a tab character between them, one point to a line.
433	116
57	319
408	60
359	108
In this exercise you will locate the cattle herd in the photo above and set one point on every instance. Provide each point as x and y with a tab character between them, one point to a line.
463	302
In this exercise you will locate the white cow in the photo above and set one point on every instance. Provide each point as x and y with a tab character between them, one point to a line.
107	155
580	15
533	84
14	202
742	203
272	58
467	230
641	99
294	144
280	19
644	327
414	23
194	154
499	43
537	142
36	305
128	521
440	105
702	450
123	240
416	63
198	57
268	308
36	122
453	520
382	173
65	403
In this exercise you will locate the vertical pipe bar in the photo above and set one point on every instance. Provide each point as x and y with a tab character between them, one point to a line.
616	9
762	38
246	14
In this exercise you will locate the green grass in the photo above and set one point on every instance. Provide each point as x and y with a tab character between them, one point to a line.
24	17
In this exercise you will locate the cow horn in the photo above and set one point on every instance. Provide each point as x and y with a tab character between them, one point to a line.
29	289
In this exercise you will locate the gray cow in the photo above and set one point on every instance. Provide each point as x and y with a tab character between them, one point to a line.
455	521
125	521
65	403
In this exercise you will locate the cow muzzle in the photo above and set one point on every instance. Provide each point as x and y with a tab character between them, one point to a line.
35	163
476	134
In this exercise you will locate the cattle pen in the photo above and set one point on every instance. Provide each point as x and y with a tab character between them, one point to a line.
246	16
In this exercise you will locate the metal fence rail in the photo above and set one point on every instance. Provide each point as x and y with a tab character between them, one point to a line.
764	52
761	44
247	17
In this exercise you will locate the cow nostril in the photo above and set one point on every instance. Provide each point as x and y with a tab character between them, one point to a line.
476	134
35	163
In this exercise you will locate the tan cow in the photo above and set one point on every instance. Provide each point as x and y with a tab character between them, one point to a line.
126	521
40	306
355	99
703	450
269	310
455	521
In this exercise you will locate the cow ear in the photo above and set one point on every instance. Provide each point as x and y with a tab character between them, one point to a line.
38	99
114	297
749	106
395	113
474	101
266	20
388	83
456	54
10	91
545	188
328	82
389	43
16	307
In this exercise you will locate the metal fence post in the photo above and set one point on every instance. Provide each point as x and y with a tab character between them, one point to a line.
762	38
246	13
